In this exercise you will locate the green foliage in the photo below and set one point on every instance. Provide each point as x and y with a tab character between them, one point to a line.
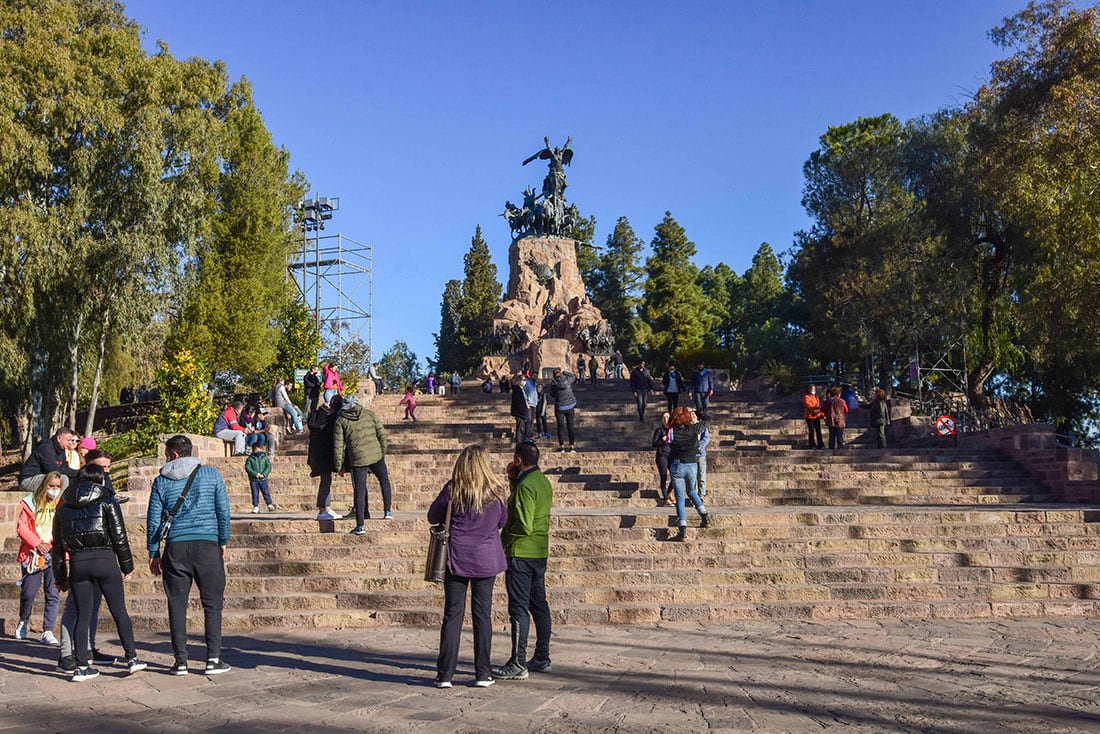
467	317
399	366
674	305
184	396
583	232
298	343
616	286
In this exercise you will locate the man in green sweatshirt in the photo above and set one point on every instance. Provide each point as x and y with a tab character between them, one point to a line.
526	539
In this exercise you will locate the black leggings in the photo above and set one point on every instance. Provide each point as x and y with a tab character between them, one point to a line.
91	570
564	419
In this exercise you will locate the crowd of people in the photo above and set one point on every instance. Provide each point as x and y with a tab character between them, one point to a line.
839	402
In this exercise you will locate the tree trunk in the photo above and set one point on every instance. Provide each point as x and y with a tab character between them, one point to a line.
89	422
74	367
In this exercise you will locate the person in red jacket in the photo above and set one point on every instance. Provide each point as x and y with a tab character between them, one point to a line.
812	411
35	529
836	412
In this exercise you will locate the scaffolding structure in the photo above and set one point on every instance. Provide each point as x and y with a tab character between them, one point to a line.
334	274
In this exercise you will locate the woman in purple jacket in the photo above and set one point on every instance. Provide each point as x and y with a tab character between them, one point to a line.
475	557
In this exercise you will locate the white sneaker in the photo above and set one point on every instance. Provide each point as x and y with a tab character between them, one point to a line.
271	508
255	509
21	630
485	683
328	515
48	638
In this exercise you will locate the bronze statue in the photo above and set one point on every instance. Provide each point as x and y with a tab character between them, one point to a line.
546	213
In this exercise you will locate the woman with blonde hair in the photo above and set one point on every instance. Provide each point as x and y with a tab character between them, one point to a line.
35	529
475	557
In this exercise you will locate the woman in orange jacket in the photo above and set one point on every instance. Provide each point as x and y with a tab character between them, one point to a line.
813	413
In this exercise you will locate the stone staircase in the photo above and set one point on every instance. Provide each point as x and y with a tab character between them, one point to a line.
934	531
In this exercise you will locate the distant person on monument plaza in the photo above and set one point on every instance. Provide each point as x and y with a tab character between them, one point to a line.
311	387
565	404
617	359
640	383
409	401
429	383
228	428
456	381
673	383
531	394
91	555
320	459
194	552
126	396
702	388
811	410
505	384
836	411
593	370
258	468
704	441
582	366
34	526
541	429
526	539
281	398
661	451
373	376
475	557
359	444
66	662
519	409
330	381
683	466
880	417
48	456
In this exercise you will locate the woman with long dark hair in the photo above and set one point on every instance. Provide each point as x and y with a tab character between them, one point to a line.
475	557
92	553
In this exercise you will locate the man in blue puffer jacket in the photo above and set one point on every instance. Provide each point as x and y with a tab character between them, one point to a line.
194	550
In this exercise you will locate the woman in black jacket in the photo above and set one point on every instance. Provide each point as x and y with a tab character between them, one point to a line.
91	552
320	459
660	443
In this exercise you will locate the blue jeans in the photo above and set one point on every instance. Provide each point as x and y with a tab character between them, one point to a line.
294	415
684	477
525	580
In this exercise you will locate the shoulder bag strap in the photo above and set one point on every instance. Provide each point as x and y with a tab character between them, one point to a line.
183	494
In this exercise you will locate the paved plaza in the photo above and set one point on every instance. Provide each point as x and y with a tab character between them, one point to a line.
938	676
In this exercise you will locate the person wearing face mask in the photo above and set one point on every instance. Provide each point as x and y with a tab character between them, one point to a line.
35	529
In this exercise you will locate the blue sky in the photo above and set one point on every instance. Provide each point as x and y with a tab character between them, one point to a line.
419	114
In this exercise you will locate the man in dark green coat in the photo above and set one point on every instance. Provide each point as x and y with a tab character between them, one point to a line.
359	443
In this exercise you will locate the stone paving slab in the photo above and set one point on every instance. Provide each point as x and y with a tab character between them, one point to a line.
975	676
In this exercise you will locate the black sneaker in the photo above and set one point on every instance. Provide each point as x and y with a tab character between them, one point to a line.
538	666
66	664
134	665
82	674
511	670
179	668
102	658
214	666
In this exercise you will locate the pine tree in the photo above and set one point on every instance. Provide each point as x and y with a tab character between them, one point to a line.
675	307
616	285
474	309
447	347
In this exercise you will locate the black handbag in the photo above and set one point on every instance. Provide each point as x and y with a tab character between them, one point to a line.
438	538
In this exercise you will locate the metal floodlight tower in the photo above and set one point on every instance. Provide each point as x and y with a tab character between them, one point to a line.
332	271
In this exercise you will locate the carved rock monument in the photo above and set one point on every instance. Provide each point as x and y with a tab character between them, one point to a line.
546	319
